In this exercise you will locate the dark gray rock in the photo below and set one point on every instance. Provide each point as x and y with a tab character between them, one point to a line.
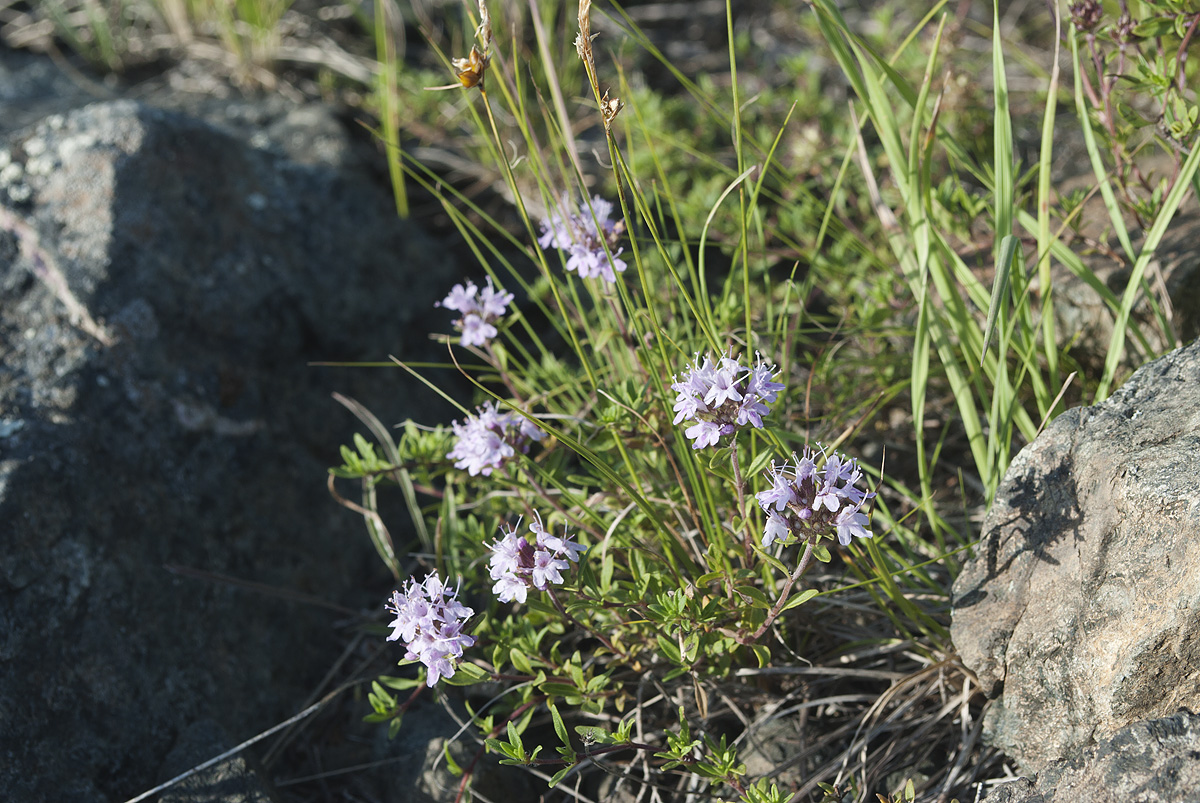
34	87
1022	790
1081	608
162	289
1147	762
237	779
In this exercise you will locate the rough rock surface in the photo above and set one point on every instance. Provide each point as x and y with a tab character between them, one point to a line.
237	779
1081	609
1146	762
33	87
162	288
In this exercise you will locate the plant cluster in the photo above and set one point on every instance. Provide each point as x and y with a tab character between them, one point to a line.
635	463
631	534
1138	87
640	429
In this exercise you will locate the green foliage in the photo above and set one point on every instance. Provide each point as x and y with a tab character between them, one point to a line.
897	262
673	577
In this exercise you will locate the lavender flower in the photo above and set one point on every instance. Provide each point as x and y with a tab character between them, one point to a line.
489	438
804	500
583	237
479	309
718	398
429	620
519	563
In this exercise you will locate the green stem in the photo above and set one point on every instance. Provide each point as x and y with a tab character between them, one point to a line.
740	486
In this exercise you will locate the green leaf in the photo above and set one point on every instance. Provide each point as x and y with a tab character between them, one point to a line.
558	776
466	674
606	572
759	463
535	603
1154	27
523	723
676	672
576	671
718	459
399	684
558	689
380	698
1182	23
514	738
800	599
1008	251
757	598
451	764
559	727
587	575
520	661
770	559
821	553
669	649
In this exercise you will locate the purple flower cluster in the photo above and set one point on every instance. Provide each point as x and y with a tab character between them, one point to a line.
488	438
804	500
720	397
478	308
583	236
519	563
429	620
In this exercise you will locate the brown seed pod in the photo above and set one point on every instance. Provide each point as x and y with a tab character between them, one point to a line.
471	70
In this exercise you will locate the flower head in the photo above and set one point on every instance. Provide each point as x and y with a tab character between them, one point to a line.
583	237
804	500
488	438
479	308
722	396
429	620
519	563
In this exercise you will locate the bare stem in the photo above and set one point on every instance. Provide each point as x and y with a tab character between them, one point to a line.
600	751
773	614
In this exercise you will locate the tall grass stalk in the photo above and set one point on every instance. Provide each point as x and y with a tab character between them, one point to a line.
1000	395
387	90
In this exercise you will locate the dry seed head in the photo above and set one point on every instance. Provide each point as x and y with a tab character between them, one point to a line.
610	108
583	42
471	70
484	31
1086	14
